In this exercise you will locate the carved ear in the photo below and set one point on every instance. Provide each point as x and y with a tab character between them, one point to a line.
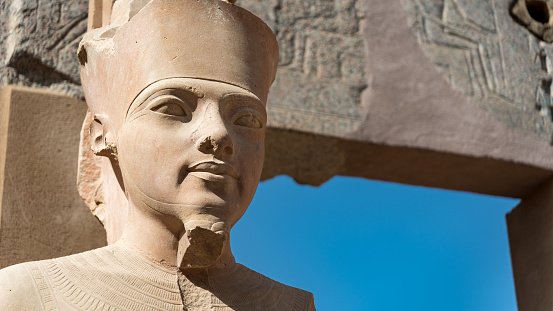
103	138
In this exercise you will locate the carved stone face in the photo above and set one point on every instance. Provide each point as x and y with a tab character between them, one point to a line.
193	149
139	56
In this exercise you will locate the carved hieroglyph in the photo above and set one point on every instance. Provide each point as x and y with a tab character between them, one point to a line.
322	64
176	92
505	66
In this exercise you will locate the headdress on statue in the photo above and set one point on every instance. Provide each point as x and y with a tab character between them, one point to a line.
161	39
207	39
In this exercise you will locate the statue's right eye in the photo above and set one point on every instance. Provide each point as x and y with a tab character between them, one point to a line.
169	108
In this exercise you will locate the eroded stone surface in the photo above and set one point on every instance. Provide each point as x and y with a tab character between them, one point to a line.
41	213
38	42
322	66
492	59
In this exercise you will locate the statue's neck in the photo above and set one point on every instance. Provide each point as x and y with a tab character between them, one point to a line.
162	239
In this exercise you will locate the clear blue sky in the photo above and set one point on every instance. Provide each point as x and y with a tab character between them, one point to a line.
367	245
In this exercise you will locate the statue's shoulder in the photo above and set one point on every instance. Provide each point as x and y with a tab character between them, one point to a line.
293	298
32	285
264	293
19	287
111	276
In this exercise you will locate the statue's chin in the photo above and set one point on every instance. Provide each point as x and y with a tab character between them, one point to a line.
203	244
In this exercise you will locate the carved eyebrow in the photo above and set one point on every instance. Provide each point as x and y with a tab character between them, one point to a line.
189	90
197	92
249	97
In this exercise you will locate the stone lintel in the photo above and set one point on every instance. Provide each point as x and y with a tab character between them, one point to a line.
313	159
430	113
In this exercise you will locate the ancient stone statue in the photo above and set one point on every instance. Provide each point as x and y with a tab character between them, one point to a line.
177	91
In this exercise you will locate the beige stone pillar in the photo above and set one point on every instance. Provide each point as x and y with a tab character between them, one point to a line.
41	213
530	227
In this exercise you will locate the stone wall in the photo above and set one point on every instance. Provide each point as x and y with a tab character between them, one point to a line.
38	43
41	213
358	78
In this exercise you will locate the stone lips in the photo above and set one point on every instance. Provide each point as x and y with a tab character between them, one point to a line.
208	39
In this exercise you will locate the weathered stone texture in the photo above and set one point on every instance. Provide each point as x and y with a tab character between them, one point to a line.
530	227
449	94
322	64
410	103
492	59
41	213
38	43
460	78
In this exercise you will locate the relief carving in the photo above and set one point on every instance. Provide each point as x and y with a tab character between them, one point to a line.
322	64
488	56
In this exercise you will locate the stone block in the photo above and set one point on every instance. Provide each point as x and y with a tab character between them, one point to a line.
41	213
38	43
409	91
322	67
530	227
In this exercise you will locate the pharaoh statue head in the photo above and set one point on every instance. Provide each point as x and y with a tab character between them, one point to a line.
176	91
171	154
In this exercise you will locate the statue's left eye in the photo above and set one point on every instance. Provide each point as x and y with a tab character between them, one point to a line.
171	109
249	120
